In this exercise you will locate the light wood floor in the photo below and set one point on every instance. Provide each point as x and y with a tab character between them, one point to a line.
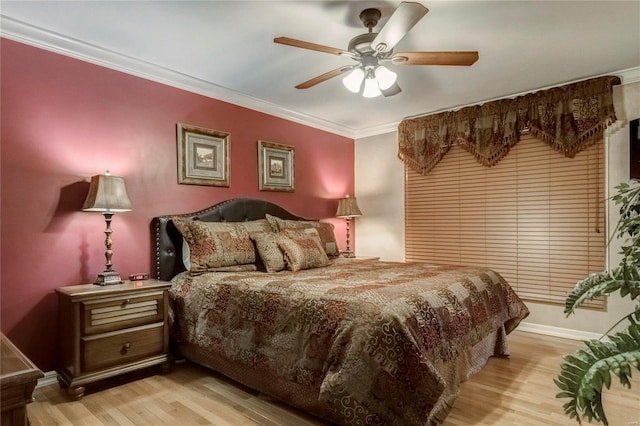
518	390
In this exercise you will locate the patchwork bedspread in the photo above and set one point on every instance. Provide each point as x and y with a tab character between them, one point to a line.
374	338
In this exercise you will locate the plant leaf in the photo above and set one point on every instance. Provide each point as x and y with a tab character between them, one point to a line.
584	373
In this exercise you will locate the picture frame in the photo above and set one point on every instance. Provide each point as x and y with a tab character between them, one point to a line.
276	167
203	156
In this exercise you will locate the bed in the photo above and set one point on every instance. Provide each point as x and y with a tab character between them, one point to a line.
361	342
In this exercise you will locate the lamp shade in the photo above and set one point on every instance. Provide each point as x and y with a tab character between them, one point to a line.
385	77
394	89
348	207
107	194
353	80
371	89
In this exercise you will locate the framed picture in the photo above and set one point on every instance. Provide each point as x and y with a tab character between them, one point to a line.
203	156
276	167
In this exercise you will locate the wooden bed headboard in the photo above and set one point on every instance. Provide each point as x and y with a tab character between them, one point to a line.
166	240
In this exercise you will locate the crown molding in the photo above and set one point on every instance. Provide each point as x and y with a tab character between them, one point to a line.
630	75
376	130
28	34
34	36
627	76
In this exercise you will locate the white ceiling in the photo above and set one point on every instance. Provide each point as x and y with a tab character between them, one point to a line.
225	49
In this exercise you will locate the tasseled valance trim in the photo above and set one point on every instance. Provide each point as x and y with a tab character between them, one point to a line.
569	118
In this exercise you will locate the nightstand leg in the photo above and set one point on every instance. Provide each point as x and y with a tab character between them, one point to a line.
76	392
166	367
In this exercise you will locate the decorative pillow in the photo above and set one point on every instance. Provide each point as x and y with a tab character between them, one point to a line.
186	261
269	251
254	227
249	267
325	231
260	225
273	221
215	244
302	249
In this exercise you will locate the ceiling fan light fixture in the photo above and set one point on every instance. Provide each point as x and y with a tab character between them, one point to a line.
391	91
371	89
385	77
370	49
353	80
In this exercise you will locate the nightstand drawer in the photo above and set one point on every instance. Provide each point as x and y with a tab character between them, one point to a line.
116	348
118	313
106	331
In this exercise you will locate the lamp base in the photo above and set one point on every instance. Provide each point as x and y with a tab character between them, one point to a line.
348	254
108	278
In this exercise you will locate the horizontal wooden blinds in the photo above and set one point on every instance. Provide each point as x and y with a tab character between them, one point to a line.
536	217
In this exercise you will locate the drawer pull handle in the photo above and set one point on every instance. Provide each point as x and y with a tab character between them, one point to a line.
126	302
125	348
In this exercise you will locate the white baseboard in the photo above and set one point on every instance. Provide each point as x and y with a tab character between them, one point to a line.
566	333
50	376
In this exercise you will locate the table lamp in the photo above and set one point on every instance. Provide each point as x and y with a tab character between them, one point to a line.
107	195
347	209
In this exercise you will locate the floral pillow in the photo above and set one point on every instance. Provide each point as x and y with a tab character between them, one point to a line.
269	251
213	245
259	225
302	249
325	231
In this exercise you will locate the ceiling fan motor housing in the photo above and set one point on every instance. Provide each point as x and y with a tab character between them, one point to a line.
370	18
361	44
371	49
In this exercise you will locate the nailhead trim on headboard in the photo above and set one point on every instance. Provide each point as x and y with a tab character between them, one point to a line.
166	242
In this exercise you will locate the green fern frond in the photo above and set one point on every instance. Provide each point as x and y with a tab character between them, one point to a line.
628	197
584	373
625	279
631	282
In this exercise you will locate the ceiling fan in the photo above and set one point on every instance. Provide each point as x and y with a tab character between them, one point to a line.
372	50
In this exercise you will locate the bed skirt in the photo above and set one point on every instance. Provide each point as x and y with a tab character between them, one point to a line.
307	398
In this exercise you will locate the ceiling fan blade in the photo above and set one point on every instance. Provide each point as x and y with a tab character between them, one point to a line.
324	77
398	25
391	91
311	46
435	58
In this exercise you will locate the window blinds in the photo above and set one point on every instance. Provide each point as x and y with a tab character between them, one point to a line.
537	217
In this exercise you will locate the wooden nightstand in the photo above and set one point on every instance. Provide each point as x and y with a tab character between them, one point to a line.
106	331
18	378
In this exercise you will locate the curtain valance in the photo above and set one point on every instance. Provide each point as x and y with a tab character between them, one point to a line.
569	118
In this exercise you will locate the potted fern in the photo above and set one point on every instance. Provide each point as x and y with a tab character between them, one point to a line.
584	373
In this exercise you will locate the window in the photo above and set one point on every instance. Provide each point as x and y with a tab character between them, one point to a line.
537	217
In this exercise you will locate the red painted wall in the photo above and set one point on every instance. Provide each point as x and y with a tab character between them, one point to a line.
64	120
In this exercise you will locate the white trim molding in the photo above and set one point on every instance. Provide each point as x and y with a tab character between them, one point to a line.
34	36
566	333
628	76
29	34
50	376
